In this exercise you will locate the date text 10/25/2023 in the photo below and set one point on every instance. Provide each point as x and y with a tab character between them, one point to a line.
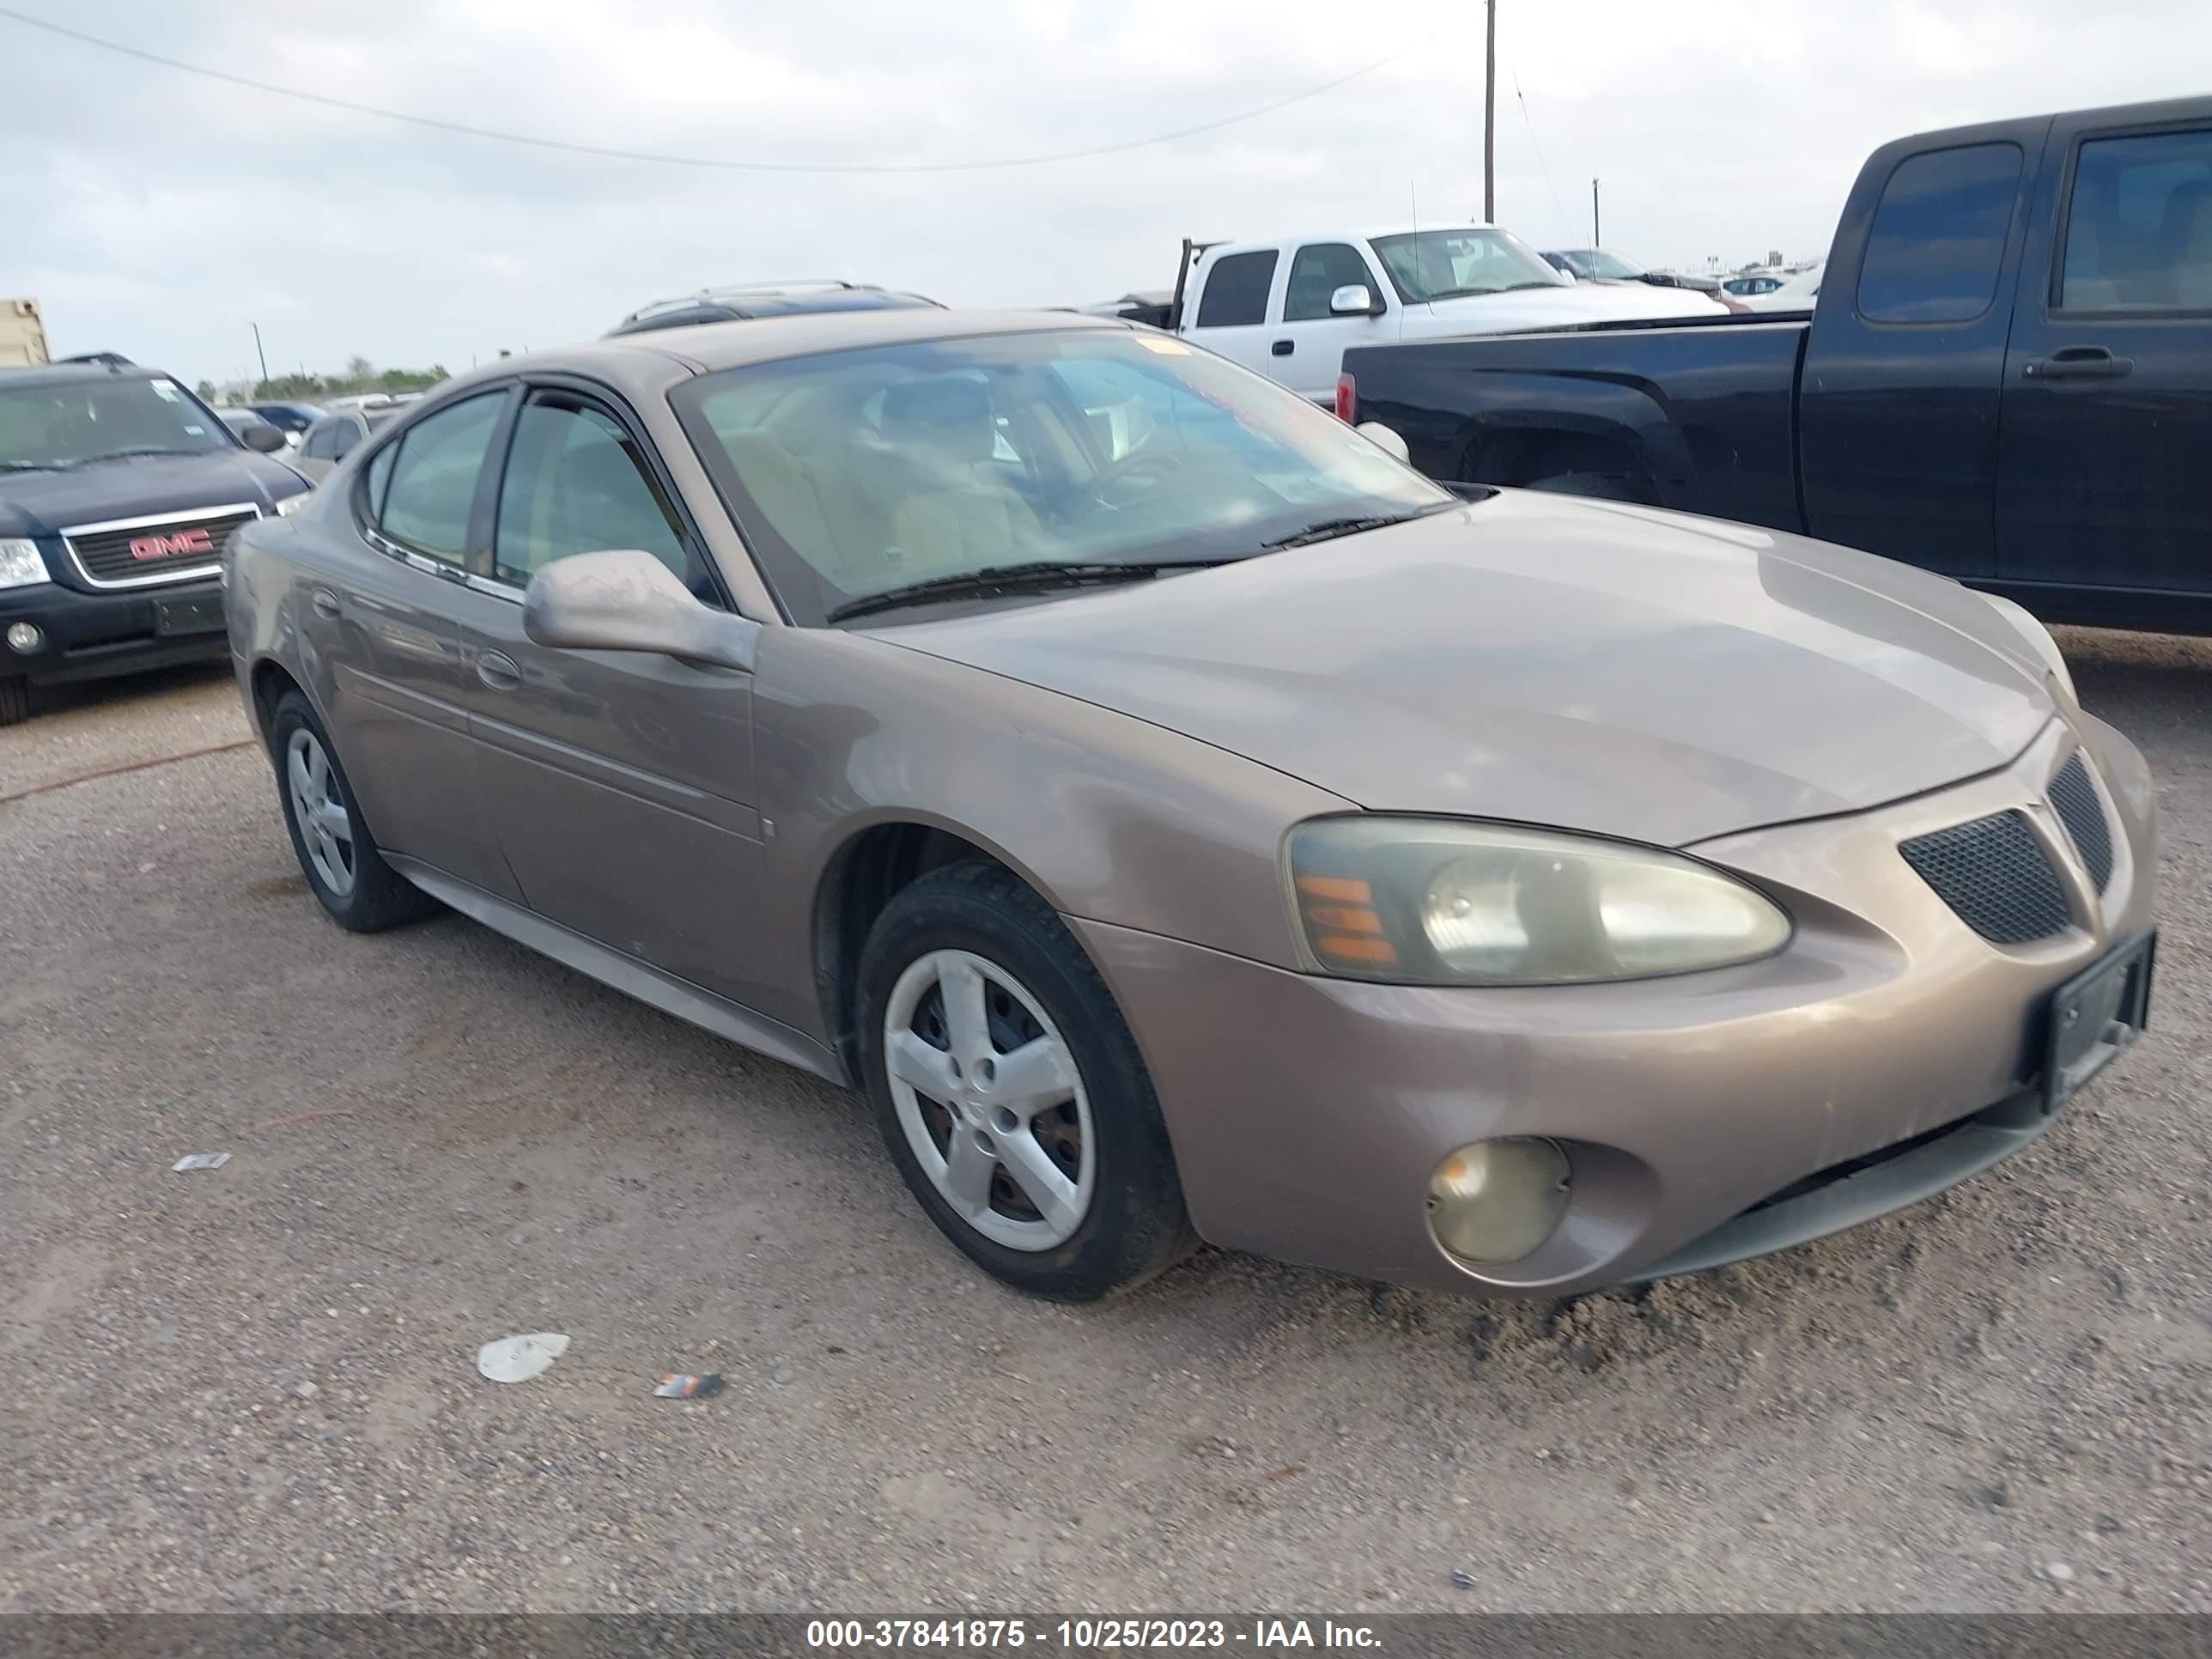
1087	1635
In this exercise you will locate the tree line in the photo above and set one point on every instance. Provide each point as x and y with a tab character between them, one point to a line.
360	376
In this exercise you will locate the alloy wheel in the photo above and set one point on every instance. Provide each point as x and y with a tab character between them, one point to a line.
326	827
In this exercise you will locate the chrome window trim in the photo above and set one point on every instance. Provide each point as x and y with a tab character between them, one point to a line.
188	573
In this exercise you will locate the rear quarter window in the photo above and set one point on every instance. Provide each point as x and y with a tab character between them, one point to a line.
1938	241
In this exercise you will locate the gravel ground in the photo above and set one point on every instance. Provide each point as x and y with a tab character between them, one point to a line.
255	1387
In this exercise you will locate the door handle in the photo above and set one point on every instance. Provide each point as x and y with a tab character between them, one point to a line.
497	669
326	604
1284	347
2087	363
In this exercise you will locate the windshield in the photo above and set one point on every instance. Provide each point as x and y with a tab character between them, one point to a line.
858	472
60	424
1448	264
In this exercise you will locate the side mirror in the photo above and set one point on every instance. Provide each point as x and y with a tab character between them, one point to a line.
1354	300
1384	438
262	440
628	600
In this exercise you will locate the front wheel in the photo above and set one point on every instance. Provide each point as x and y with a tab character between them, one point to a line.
14	699
1010	1092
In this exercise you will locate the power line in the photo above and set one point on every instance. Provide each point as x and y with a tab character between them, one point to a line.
1523	99
537	143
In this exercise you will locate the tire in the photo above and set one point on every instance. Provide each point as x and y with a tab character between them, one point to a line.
360	892
1604	486
15	701
1114	1217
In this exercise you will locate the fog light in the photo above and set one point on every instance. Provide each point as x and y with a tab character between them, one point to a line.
25	637
1497	1200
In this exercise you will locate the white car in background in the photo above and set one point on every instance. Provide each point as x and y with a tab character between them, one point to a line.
1288	306
1796	292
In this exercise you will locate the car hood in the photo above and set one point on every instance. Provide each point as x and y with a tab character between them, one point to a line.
1535	658
45	503
1578	302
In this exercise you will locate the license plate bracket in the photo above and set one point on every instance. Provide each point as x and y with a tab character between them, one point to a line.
199	616
2093	1017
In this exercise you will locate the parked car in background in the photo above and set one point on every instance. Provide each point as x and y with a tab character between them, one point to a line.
1598	265
1237	836
1154	308
292	419
332	438
1797	292
241	421
2005	375
1289	307
117	489
739	301
1744	287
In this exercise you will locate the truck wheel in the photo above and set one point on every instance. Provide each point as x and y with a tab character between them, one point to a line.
1604	486
14	702
1010	1092
363	893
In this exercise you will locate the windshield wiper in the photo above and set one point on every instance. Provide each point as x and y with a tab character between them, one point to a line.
125	454
1034	576
1328	530
28	466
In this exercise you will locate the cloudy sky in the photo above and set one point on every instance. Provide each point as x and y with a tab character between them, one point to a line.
160	214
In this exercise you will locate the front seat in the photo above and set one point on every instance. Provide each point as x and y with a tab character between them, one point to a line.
958	517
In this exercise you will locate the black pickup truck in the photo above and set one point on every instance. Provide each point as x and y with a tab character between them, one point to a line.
2006	377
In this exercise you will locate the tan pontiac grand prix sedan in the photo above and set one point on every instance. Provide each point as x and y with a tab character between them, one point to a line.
1186	821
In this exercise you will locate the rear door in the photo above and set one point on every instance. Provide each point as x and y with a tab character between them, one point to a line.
1316	337
1231	311
621	782
380	616
2106	474
1903	366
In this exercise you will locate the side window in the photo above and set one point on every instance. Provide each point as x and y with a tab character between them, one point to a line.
575	483
1938	239
2139	228
1318	271
433	485
345	433
321	443
1237	290
380	475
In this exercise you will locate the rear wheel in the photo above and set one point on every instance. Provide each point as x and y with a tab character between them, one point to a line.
363	893
15	701
1010	1092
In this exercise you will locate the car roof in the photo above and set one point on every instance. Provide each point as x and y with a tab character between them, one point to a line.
76	373
658	356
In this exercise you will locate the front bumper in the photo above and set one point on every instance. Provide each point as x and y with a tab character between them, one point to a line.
93	635
1307	1113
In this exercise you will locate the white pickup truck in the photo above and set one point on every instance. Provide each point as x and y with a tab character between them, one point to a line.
1289	306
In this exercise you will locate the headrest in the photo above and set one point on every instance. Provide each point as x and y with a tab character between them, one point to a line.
949	412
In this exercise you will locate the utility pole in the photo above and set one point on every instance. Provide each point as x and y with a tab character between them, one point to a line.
259	353
1490	112
1597	237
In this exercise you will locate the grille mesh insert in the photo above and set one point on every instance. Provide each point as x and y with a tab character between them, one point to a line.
1994	873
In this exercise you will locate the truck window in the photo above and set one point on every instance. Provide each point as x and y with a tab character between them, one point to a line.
1939	235
2139	225
1237	290
1318	270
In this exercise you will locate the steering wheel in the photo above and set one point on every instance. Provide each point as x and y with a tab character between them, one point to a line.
1138	464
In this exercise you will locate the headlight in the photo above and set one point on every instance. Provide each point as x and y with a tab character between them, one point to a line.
2037	635
291	504
1445	902
20	563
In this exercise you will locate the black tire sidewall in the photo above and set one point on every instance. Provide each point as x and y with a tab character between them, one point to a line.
1136	1224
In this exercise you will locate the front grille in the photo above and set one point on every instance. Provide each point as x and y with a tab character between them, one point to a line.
2074	798
137	552
1995	874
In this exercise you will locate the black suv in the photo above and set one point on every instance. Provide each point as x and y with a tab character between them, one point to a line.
731	305
117	489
